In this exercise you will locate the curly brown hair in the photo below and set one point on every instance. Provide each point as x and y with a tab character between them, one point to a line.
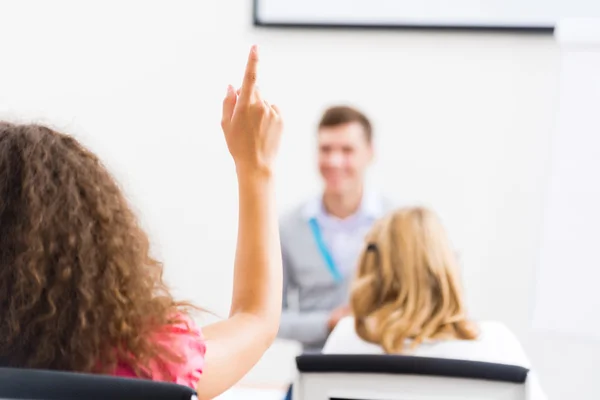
79	290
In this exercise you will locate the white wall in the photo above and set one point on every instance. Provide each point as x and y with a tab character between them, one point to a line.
463	124
571	213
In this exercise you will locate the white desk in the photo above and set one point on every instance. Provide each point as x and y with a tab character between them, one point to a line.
249	393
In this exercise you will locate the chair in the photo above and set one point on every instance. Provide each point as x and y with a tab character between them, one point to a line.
395	377
29	384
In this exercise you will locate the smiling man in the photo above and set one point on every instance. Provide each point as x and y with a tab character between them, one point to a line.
321	239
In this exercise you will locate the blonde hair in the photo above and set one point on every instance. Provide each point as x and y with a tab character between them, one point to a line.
407	284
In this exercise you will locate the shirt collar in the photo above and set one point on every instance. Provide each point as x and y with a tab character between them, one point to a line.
371	206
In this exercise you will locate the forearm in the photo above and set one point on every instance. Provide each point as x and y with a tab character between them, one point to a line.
257	287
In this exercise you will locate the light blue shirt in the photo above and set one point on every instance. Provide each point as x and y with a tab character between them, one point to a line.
344	238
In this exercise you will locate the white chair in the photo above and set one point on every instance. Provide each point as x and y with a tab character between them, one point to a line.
390	377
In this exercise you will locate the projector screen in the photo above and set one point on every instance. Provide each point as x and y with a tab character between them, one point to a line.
483	14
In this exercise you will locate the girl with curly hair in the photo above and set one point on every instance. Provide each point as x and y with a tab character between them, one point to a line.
79	290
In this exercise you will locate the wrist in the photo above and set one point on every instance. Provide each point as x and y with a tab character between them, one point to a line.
254	172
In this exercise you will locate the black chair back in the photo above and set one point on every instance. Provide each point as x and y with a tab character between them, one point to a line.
410	365
30	384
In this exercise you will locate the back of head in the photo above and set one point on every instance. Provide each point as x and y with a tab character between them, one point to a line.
407	284
78	289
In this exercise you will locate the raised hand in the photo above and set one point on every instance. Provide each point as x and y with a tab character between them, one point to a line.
252	130
252	126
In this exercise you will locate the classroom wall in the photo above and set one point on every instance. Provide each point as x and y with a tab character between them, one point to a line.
463	124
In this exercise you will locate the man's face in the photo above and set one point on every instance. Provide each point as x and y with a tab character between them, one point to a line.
344	155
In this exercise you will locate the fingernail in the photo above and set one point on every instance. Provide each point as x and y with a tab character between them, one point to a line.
255	49
229	90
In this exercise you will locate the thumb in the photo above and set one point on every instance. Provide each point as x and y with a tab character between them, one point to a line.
228	106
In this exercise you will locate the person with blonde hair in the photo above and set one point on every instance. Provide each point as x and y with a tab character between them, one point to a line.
407	298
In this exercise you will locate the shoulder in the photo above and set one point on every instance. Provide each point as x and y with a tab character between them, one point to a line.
291	216
185	339
379	203
508	346
495	331
290	220
345	340
498	338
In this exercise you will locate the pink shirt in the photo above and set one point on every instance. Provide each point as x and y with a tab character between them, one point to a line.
186	341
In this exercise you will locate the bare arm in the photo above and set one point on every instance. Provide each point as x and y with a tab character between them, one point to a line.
252	129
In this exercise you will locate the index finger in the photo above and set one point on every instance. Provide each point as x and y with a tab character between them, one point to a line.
250	75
